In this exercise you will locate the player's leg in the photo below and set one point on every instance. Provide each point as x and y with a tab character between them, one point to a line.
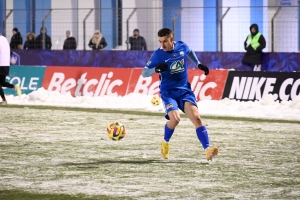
188	105
3	102
193	114
174	117
172	114
18	89
8	85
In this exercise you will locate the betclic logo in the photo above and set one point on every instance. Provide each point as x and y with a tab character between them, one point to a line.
87	81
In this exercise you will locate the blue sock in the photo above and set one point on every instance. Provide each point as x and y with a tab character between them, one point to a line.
168	133
202	135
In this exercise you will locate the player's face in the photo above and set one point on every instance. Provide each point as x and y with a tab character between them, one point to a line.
167	42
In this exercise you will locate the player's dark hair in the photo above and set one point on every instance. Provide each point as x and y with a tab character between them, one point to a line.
164	32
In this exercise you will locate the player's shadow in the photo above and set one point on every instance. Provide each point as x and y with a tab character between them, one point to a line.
132	162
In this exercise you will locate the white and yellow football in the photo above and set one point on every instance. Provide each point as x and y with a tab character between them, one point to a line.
156	100
116	131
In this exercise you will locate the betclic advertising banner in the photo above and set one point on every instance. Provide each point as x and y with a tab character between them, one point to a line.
89	81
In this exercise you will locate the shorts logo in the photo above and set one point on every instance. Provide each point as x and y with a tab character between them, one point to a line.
169	106
177	66
148	63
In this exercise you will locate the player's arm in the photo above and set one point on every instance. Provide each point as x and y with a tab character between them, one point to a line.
148	71
158	69
192	56
153	66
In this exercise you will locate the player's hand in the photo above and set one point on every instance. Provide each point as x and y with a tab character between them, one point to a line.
204	68
161	67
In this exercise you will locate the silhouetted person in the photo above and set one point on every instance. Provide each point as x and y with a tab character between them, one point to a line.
136	41
70	42
16	40
39	40
254	44
98	41
30	41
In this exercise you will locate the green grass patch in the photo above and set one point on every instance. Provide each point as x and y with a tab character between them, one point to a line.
23	195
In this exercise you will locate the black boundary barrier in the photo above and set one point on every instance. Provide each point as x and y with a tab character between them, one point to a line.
250	86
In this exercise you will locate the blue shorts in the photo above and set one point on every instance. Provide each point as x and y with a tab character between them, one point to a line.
175	98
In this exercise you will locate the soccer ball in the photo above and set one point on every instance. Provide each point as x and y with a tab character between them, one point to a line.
116	131
155	101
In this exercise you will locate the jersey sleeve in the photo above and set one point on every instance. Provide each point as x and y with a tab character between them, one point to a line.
187	48
149	69
153	61
191	54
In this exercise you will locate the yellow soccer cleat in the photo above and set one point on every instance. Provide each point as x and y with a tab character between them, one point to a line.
18	89
211	152
165	149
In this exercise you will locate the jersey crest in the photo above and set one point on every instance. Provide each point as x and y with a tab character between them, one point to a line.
177	66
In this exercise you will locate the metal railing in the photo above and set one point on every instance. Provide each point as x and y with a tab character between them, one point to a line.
233	26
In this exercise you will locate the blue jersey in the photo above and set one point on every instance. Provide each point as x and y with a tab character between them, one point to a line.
176	75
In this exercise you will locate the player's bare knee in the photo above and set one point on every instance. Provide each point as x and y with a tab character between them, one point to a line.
177	120
173	122
197	121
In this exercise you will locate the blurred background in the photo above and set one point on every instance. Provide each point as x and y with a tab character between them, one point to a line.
205	25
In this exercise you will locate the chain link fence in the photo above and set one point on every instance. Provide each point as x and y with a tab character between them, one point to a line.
227	31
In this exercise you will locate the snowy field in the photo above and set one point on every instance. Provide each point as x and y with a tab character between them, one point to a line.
64	151
263	109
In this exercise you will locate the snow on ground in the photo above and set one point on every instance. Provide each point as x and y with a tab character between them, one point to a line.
68	152
266	108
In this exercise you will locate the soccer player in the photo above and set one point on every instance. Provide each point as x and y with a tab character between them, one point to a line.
170	62
4	69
